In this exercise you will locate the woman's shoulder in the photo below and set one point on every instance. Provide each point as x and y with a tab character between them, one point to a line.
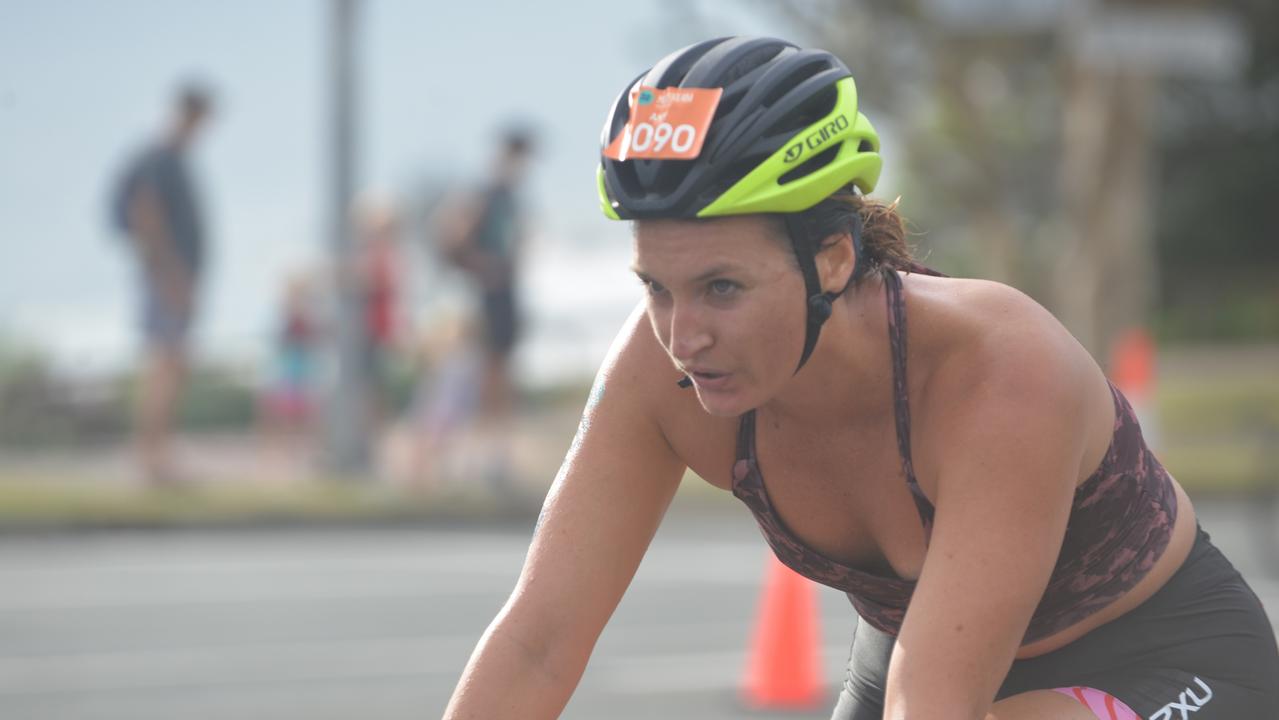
980	339
989	348
993	372
977	322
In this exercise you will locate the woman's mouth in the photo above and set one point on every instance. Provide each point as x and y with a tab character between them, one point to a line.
709	379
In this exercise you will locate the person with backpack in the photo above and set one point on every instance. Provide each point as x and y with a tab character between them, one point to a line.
482	234
156	205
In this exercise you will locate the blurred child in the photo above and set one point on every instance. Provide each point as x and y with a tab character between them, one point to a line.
288	407
378	280
446	401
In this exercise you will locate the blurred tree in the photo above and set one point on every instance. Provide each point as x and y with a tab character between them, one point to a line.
1217	219
1026	132
39	407
43	408
975	102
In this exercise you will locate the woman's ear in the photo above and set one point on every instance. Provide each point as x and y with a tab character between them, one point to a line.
836	262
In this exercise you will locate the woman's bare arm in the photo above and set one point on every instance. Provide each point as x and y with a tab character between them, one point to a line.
1009	433
596	524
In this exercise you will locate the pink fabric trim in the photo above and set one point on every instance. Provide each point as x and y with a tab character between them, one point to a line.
1104	705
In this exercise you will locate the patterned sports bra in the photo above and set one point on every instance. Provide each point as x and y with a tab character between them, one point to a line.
1120	522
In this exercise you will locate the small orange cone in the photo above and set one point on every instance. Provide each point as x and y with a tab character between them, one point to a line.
1132	364
784	666
1132	369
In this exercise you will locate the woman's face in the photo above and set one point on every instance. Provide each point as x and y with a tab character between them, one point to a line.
726	300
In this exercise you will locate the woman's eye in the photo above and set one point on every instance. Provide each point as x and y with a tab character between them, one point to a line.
653	287
723	287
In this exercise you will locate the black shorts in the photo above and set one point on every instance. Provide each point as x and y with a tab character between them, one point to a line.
1201	647
501	320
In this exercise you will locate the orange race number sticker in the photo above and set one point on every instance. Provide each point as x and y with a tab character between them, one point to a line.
666	123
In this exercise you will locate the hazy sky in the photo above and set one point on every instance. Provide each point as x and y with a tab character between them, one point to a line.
84	83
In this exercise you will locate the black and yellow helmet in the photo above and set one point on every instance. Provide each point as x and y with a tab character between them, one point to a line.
785	134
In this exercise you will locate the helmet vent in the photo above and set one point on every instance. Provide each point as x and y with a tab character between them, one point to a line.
815	108
811	165
748	63
793	78
627	176
865	146
728	102
733	173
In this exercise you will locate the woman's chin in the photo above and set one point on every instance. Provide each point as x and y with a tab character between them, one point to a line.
723	405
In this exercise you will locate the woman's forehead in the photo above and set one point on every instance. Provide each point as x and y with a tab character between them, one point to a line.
680	242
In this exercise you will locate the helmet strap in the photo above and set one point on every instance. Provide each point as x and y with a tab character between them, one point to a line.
820	304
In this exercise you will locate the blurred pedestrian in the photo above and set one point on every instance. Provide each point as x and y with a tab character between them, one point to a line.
287	406
156	204
445	400
377	275
482	234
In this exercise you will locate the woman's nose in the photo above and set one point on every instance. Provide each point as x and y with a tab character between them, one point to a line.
689	333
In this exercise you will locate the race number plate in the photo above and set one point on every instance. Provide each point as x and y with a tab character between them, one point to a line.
667	123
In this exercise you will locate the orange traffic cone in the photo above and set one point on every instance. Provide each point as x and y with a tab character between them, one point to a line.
784	666
1132	369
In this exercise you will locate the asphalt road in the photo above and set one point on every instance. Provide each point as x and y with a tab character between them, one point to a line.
377	624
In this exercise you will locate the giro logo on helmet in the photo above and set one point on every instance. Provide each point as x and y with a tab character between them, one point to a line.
793	152
819	137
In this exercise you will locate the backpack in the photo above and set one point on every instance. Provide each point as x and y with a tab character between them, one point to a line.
122	196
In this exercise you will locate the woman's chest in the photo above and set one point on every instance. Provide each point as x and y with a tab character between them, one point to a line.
843	495
846	498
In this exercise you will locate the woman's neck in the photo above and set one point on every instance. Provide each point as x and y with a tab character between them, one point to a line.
849	375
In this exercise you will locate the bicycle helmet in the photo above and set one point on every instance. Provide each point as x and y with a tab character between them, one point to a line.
785	135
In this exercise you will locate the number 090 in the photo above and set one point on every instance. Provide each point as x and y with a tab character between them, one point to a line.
648	136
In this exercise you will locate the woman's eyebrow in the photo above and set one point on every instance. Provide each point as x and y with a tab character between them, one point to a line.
720	269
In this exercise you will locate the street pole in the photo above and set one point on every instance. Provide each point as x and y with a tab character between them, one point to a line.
346	452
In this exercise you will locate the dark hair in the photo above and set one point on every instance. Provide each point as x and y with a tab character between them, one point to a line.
883	228
194	98
517	141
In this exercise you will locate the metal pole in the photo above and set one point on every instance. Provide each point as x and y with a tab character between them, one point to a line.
347	447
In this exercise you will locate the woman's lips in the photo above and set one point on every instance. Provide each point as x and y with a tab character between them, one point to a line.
708	379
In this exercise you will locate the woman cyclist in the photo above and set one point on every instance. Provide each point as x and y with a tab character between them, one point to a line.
971	480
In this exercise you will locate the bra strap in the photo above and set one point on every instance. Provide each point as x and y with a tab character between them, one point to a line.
901	404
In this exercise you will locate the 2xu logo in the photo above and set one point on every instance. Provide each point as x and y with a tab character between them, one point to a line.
1188	702
816	138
